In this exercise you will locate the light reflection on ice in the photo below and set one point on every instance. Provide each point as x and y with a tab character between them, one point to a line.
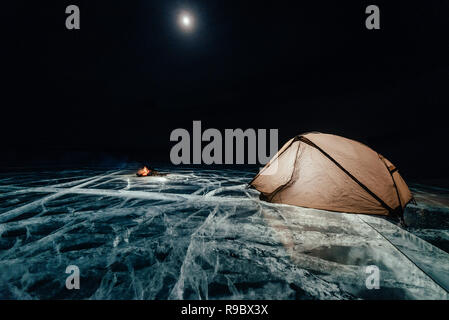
194	234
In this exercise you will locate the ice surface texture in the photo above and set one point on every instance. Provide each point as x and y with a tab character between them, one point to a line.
199	234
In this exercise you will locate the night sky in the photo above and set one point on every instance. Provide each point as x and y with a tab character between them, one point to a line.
118	86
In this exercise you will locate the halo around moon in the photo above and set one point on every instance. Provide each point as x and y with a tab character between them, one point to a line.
186	21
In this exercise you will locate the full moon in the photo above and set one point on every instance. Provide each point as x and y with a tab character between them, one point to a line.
186	21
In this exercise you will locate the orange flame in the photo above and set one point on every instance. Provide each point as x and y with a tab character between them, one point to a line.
143	172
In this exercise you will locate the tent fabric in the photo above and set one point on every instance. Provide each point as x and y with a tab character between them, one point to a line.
329	172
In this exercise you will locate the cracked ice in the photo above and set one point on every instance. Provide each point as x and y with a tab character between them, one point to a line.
201	234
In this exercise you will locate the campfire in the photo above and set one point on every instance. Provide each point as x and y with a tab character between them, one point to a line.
143	172
147	172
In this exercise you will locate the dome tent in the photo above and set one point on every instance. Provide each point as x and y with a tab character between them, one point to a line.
329	172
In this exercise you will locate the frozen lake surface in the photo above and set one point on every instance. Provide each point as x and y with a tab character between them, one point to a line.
201	234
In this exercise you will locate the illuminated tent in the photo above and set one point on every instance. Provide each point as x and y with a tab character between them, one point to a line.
329	172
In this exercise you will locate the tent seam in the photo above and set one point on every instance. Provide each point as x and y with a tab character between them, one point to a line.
274	159
392	178
371	193
280	188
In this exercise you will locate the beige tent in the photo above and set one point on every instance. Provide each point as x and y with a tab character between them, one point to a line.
329	172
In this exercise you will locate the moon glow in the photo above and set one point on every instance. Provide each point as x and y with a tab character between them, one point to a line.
186	21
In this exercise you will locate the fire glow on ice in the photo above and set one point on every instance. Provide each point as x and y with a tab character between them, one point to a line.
201	234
